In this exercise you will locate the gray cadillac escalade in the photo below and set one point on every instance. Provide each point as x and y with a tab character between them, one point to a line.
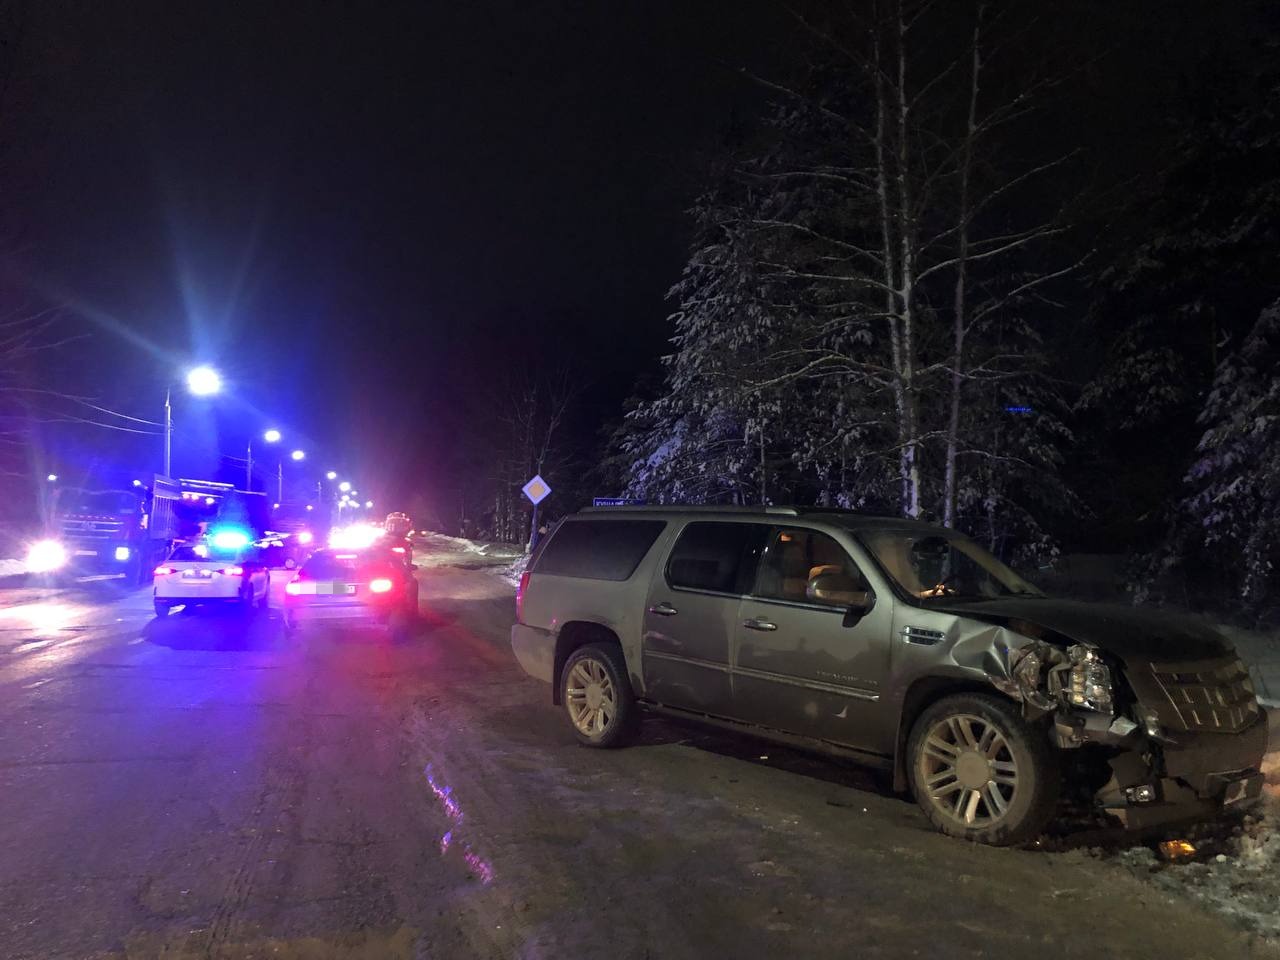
896	643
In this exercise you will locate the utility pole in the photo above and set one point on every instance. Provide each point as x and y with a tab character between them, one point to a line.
168	431
280	481
248	467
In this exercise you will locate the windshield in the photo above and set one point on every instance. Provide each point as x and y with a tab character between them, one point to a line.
932	565
105	503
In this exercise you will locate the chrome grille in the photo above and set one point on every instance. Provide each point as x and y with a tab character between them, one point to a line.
1214	696
91	529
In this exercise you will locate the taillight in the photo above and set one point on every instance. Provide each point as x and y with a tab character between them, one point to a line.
163	571
293	587
524	585
232	571
380	585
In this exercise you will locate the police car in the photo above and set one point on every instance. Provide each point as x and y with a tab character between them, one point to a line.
223	569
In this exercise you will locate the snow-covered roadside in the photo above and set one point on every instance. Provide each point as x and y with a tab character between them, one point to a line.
506	560
1236	875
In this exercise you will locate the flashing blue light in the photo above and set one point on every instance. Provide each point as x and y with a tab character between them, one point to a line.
1019	410
229	539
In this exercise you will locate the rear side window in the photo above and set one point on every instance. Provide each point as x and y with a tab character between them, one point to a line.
598	549
716	556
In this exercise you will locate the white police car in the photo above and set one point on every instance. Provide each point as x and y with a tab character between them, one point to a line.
222	569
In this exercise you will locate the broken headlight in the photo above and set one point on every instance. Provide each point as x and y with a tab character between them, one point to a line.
1088	681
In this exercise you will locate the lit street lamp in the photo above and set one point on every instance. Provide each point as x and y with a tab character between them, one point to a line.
274	436
331	475
52	478
201	382
345	487
204	381
368	504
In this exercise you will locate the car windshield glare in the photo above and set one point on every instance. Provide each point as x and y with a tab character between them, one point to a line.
933	566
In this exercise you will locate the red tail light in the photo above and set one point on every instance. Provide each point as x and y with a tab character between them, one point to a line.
380	585
232	571
524	585
163	571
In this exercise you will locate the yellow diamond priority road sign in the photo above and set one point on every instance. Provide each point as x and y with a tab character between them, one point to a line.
537	490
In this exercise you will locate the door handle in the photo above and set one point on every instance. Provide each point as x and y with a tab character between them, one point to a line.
664	609
755	623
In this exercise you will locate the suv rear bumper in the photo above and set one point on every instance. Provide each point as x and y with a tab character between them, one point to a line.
536	651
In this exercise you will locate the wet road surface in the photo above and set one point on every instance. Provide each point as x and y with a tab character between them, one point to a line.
205	786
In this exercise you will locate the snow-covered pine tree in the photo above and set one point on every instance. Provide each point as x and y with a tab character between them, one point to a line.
711	436
1234	510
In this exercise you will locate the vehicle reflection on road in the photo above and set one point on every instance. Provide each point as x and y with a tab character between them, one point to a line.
453	810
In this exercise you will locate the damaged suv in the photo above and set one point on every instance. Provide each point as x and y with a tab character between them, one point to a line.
896	643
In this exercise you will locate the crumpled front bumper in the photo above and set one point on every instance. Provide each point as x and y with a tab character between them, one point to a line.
1196	776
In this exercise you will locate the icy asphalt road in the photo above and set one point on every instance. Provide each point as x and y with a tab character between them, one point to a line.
205	787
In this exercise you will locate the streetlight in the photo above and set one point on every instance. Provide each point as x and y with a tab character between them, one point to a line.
345	487
52	478
271	436
204	381
331	475
201	382
298	455
368	504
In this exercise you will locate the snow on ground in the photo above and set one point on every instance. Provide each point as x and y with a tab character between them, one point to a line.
507	560
1236	873
12	568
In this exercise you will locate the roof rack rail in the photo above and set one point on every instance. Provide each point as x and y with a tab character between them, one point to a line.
692	508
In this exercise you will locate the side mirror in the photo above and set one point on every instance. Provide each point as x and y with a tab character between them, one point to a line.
839	590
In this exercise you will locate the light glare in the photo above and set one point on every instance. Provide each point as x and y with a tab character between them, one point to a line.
204	381
45	556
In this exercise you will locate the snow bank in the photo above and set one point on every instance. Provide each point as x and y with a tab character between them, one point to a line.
12	568
1236	876
481	547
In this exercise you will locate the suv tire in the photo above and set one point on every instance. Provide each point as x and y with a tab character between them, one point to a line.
980	772
597	697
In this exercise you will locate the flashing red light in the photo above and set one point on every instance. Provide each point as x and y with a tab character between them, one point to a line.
293	587
380	585
163	571
232	571
524	585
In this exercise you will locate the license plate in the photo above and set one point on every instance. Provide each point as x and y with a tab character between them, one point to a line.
197	575
336	589
86	553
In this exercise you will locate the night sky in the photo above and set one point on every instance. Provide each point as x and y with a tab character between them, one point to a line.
362	214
